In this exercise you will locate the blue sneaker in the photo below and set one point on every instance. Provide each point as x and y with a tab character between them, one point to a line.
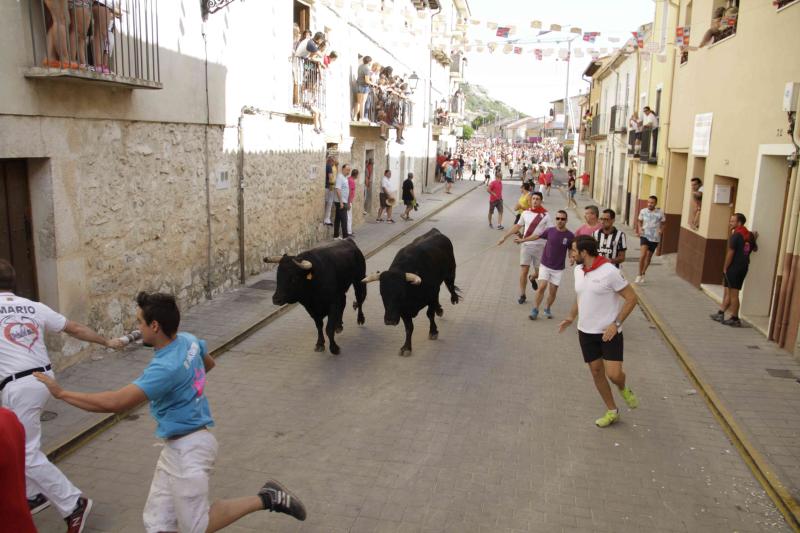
534	314
547	313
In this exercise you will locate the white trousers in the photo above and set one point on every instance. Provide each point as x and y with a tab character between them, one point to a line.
27	397
178	499
350	220
329	198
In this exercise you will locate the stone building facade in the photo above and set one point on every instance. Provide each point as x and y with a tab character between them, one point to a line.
122	184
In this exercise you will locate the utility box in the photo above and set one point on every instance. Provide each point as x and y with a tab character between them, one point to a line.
790	94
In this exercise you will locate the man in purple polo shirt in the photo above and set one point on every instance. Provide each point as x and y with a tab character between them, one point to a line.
558	240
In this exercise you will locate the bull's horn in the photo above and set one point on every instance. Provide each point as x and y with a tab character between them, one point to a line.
372	277
305	264
413	278
273	259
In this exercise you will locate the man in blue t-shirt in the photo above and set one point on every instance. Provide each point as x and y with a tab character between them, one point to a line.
174	384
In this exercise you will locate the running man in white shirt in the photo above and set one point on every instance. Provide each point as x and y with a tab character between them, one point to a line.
604	301
649	228
23	324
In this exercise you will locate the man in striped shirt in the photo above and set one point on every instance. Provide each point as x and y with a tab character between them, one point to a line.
611	242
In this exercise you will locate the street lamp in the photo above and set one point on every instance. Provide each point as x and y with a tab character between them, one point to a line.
413	81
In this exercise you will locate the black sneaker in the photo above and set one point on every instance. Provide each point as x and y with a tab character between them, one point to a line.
534	284
38	503
277	499
77	520
522	299
733	321
719	316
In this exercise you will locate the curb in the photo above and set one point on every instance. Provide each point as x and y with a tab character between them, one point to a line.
72	444
755	461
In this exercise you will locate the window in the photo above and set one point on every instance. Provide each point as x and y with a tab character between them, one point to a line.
302	16
124	52
724	19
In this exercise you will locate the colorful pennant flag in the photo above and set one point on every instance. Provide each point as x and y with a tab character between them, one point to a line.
503	32
555	27
517	49
538	53
590	36
536	24
639	36
682	35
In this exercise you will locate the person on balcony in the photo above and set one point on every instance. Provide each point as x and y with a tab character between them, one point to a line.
650	122
104	15
362	88
57	50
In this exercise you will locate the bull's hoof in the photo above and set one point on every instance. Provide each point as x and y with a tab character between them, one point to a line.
355	304
454	300
319	348
339	328
405	352
439	311
335	350
433	336
361	320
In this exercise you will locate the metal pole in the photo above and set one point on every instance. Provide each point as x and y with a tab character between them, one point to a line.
566	95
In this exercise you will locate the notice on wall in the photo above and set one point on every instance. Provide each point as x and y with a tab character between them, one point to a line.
313	173
722	194
701	142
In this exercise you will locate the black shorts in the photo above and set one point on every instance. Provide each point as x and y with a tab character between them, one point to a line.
382	198
734	279
650	244
594	348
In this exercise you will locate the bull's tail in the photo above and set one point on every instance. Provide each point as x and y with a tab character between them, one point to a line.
455	294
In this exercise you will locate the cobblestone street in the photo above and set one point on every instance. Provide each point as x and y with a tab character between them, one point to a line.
489	428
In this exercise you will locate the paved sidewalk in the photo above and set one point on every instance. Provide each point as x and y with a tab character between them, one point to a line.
218	321
755	380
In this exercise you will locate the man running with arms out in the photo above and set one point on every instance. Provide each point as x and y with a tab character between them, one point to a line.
558	240
174	383
737	261
533	221
604	300
495	190
611	242
649	228
23	324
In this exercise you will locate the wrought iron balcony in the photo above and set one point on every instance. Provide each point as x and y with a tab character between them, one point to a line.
596	130
617	122
309	85
648	151
122	50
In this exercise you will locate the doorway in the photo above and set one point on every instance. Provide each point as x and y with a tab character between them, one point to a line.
16	234
369	170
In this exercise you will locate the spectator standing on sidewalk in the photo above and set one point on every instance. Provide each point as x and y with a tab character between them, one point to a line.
409	197
495	190
174	383
737	262
649	229
351	189
14	509
697	202
584	182
23	324
532	222
368	186
387	192
558	240
611	242
604	299
591	215
342	190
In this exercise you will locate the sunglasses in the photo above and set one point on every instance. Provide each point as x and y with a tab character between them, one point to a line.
561	218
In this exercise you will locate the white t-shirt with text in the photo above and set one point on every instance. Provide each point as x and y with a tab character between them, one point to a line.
598	301
22	326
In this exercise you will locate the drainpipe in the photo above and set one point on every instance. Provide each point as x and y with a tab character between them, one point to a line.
209	265
240	191
425	187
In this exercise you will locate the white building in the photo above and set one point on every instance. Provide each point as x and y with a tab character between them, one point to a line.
192	156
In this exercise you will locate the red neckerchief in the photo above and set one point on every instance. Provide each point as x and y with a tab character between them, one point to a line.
539	209
741	230
597	263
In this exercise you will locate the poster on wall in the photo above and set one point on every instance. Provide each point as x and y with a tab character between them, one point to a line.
701	142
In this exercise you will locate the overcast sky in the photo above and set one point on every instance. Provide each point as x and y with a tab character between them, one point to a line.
528	84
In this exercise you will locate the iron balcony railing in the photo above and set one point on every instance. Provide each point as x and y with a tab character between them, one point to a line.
112	41
617	122
648	150
634	140
309	85
387	107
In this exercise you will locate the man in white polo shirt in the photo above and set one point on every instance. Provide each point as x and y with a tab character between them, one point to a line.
23	324
604	301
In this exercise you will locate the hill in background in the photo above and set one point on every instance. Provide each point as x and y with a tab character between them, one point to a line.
479	104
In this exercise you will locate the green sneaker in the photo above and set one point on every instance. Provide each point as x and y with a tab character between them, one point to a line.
607	419
630	398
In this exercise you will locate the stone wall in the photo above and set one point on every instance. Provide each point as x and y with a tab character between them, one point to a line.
122	206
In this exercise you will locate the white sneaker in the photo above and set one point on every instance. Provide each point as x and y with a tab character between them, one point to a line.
638	279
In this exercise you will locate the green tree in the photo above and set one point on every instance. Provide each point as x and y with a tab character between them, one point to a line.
468	132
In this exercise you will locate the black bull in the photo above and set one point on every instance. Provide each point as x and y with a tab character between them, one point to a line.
413	281
319	280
